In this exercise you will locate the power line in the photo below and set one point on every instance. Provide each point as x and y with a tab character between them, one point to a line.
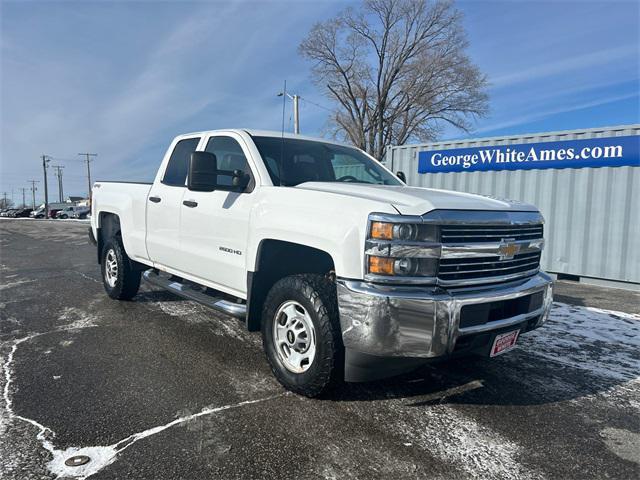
88	160
316	104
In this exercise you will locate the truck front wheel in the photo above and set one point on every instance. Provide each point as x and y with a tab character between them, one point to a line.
120	280
301	334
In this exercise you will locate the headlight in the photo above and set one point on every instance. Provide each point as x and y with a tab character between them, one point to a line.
401	248
406	232
403	267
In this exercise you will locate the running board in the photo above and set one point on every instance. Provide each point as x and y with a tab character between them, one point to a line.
238	310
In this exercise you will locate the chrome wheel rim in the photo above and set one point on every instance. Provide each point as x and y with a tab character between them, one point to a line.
294	337
111	268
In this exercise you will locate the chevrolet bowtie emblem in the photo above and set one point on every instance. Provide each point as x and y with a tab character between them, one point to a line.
508	249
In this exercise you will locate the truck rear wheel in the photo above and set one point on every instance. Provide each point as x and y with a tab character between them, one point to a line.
120	280
301	334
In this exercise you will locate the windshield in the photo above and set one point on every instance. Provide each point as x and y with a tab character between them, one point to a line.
291	162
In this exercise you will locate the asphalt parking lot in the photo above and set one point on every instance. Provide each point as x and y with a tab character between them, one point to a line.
164	388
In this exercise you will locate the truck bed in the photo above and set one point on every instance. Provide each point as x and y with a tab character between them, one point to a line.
128	200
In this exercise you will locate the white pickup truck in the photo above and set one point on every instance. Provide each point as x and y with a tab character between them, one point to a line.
350	274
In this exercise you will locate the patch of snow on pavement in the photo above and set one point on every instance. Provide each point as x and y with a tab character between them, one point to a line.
219	323
604	342
101	456
4	286
478	450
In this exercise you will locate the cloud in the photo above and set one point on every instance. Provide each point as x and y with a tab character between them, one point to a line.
564	66
540	115
200	74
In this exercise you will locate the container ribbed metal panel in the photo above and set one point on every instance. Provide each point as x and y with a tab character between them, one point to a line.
592	215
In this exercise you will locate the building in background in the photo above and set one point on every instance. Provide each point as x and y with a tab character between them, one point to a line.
585	182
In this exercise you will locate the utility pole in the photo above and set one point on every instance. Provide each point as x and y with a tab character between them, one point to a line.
45	162
59	175
88	160
4	205
33	191
296	115
296	110
24	203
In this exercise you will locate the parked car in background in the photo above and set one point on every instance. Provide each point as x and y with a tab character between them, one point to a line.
21	212
54	208
53	212
65	212
9	212
68	211
80	213
38	213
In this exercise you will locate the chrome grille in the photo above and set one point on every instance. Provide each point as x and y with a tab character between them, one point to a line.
466	270
489	233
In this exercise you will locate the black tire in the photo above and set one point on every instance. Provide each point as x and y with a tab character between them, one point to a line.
317	295
126	283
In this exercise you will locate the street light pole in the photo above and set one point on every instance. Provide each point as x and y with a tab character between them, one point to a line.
296	110
296	115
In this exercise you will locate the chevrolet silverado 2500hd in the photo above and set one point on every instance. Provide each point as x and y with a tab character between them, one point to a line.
349	273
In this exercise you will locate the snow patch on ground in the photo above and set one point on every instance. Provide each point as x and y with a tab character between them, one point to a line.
604	342
194	313
101	456
452	436
76	319
7	285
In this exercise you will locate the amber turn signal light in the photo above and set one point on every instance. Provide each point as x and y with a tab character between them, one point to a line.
381	265
382	230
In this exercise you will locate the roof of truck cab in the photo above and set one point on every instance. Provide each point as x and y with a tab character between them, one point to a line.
266	133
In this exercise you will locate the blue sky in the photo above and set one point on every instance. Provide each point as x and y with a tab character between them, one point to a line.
122	78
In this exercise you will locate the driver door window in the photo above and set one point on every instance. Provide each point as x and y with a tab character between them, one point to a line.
230	156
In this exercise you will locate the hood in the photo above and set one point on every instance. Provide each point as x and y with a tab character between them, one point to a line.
415	200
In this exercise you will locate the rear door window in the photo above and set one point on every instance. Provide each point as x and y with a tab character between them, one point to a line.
178	166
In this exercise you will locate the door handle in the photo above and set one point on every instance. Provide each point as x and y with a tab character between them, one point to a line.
155	199
190	203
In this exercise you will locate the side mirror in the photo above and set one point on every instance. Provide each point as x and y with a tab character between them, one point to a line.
402	176
204	176
203	172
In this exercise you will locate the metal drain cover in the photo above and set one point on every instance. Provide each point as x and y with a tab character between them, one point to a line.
77	461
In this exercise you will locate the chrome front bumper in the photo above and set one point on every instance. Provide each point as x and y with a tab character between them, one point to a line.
422	322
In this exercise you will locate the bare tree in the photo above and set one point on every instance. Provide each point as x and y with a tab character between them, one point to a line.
5	203
397	70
